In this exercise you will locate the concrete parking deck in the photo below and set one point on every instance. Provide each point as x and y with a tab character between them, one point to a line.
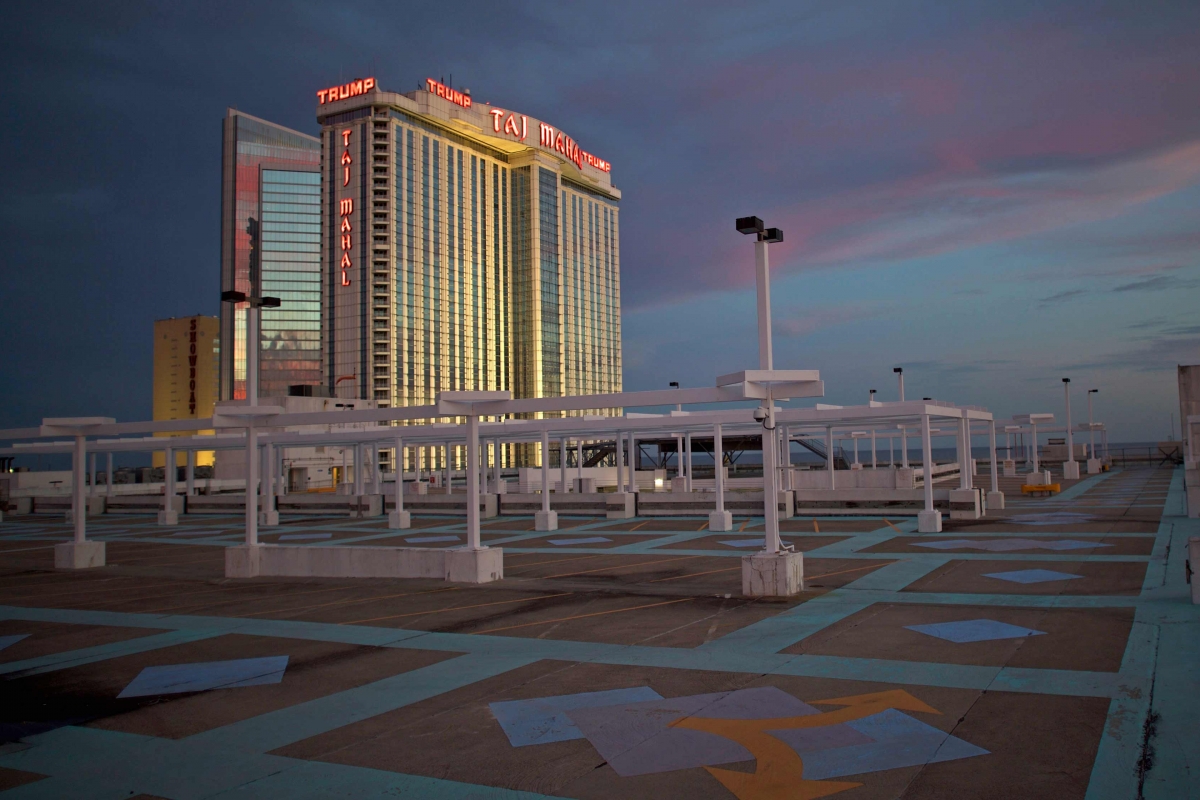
1020	655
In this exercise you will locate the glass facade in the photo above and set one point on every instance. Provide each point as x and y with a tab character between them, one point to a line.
274	239
290	259
487	270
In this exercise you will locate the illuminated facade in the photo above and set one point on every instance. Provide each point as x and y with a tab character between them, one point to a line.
185	375
270	234
466	247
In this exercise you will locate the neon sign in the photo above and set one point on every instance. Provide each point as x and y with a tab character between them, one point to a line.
192	369
517	126
446	93
346	208
557	140
345	91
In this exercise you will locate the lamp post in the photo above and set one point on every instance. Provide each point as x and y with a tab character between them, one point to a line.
256	302
1070	466
1091	430
903	434
762	274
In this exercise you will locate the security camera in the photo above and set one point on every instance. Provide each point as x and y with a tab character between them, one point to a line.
760	414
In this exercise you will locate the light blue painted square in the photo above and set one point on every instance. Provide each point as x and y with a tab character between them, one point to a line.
202	676
586	540
974	630
899	741
544	719
291	537
1032	576
1071	544
9	641
428	539
744	542
948	544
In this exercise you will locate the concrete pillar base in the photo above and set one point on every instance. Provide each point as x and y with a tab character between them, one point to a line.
243	561
475	566
678	484
620	505
772	574
964	504
268	518
78	555
399	520
995	501
168	518
1192	494
1010	469
929	522
720	521
419	487
498	487
94	506
856	466
1071	470
366	505
545	521
1093	466
1040	478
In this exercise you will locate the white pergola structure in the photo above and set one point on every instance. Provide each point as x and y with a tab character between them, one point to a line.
269	424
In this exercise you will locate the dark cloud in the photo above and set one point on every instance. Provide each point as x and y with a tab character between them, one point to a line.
871	136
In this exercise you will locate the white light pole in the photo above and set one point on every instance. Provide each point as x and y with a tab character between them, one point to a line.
1091	430
770	458
903	434
1070	466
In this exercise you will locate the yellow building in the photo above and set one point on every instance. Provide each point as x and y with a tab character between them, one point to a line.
185	375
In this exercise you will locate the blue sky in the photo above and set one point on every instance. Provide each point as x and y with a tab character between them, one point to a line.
994	195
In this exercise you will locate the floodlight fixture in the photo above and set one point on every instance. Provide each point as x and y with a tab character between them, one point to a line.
898	370
1066	380
233	297
749	225
268	302
772	236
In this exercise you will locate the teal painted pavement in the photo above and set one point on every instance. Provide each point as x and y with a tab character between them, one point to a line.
1158	673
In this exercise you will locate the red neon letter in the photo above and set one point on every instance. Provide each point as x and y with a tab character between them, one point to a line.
346	137
496	115
368	84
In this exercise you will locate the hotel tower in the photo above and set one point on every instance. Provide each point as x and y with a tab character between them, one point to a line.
465	247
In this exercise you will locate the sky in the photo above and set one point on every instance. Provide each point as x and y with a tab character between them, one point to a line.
992	195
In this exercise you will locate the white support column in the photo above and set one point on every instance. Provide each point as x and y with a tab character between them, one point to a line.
829	465
78	500
399	518
268	514
91	474
562	465
632	444
995	497
903	448
251	486
79	553
579	462
891	451
874	459
770	484
929	520
496	463
620	456
545	520
687	446
189	474
964	455
449	469
108	474
719	520
358	469
1033	447
785	457
168	515
281	474
472	473
377	487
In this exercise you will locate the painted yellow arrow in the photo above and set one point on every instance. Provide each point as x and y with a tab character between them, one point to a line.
779	771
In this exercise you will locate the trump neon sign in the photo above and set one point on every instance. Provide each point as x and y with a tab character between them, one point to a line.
345	91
